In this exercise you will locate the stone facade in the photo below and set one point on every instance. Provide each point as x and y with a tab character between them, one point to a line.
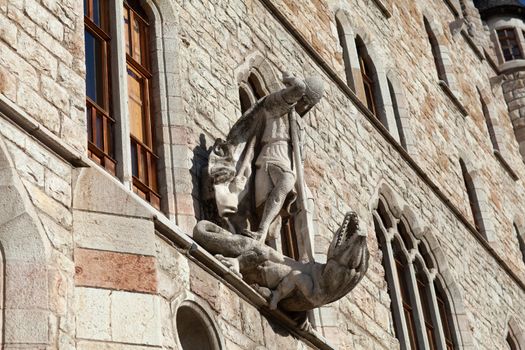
87	264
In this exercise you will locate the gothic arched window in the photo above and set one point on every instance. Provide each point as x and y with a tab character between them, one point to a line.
472	197
420	309
368	76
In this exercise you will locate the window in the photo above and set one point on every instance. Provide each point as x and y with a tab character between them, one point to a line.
368	77
419	307
102	122
508	40
521	241
488	122
472	197
434	45
251	91
143	158
195	330
397	114
343	41
512	343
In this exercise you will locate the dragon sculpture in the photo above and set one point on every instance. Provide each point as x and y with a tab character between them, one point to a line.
296	286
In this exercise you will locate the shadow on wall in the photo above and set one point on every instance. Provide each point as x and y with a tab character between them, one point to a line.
203	208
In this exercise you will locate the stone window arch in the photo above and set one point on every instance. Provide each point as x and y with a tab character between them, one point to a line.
195	329
389	209
515	337
479	205
365	73
346	38
520	235
487	108
401	113
419	306
440	53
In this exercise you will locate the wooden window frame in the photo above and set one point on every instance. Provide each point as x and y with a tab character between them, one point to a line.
506	42
369	85
101	154
145	181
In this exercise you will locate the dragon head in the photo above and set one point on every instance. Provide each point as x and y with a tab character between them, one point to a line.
347	257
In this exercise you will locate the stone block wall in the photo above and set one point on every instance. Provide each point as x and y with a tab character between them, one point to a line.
107	278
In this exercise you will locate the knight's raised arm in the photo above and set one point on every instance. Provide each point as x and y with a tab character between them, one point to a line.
280	101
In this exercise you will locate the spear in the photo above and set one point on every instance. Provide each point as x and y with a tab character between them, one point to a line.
304	223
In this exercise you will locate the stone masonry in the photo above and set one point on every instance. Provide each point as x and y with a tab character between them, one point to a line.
89	265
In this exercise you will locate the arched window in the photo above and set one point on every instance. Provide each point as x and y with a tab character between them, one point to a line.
195	330
472	197
345	42
488	122
509	44
368	76
512	342
103	115
397	114
521	241
436	53
250	91
420	309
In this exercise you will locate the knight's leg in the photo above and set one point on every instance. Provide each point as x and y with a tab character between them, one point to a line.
284	183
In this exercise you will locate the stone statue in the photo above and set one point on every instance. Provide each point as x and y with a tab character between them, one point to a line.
254	177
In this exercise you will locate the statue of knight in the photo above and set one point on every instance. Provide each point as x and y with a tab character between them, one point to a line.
256	174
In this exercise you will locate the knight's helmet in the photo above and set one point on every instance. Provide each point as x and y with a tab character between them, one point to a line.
314	89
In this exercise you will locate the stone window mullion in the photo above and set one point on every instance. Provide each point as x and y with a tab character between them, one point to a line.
395	289
436	316
120	95
422	339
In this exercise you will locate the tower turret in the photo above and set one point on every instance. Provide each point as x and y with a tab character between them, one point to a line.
505	20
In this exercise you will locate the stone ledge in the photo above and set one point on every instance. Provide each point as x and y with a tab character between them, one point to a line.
383	7
171	233
452	7
444	86
512	66
472	44
10	111
505	165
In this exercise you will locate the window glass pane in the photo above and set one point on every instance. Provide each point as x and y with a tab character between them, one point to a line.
135	32
136	105
94	69
96	12
134	160
126	30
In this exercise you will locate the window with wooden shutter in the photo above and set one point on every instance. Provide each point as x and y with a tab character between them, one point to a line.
143	156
